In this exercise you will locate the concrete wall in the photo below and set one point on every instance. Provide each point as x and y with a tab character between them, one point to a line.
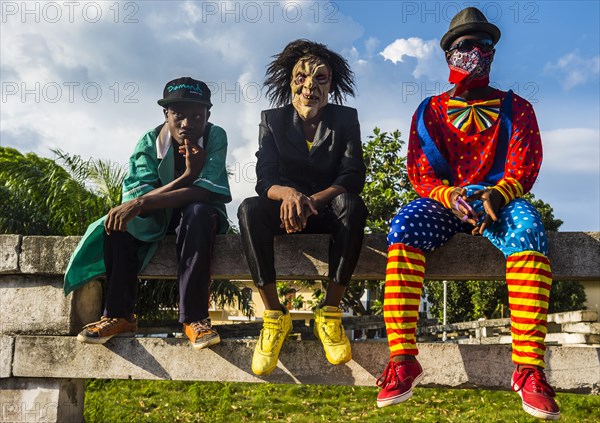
52	400
37	304
42	366
36	265
305	257
449	365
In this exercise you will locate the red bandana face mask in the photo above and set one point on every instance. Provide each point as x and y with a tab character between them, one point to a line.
470	69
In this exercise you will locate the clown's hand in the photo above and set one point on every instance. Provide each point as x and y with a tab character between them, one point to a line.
492	201
460	207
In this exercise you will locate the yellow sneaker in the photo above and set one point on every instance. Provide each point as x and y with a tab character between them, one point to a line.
329	329
276	326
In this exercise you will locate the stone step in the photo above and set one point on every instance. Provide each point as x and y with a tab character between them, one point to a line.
591	328
572	338
551	338
450	365
574	316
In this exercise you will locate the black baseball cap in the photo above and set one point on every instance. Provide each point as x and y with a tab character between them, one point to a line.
186	90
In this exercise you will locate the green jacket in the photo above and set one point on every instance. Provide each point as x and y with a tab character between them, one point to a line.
148	172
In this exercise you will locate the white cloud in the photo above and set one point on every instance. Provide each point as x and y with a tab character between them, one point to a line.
430	60
569	179
371	45
572	69
170	39
573	150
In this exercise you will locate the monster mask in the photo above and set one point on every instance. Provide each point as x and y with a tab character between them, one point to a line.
310	84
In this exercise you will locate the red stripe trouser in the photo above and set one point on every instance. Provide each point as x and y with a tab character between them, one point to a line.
529	280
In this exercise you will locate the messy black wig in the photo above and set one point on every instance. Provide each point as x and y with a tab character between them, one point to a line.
279	72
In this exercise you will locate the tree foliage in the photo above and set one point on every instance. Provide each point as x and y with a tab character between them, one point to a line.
387	187
472	300
546	212
386	190
566	296
41	197
467	300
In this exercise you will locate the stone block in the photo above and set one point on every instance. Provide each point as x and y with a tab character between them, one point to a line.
164	262
574	368
42	400
574	255
560	338
9	253
491	340
7	346
37	304
464	257
572	338
574	316
48	255
86	306
591	328
450	365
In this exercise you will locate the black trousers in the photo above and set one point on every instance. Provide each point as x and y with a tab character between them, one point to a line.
344	218
195	228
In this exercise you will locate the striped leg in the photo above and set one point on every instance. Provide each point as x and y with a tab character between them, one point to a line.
403	286
529	280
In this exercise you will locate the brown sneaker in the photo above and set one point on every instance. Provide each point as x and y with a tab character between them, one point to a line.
201	334
101	331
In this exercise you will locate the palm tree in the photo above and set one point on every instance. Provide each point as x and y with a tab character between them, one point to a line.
41	197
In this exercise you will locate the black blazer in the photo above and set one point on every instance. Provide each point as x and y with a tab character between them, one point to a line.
335	158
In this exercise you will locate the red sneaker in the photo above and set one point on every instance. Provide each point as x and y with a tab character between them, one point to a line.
397	382
537	395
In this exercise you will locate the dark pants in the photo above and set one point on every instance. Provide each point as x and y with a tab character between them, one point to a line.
344	218
194	243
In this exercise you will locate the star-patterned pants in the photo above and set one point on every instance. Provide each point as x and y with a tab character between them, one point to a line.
425	224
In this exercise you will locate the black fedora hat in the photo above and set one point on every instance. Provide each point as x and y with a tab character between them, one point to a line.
185	90
467	21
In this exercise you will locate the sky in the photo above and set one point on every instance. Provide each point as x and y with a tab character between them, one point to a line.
85	76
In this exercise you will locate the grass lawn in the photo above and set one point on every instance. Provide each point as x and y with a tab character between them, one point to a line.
168	401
